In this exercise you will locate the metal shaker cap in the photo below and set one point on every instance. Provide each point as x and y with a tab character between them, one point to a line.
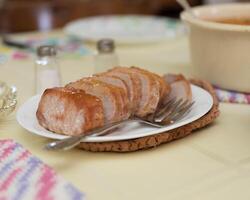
106	45
46	50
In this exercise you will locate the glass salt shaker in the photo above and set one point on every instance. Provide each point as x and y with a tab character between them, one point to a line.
47	69
106	58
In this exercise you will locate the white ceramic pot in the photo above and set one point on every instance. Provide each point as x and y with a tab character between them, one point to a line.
220	53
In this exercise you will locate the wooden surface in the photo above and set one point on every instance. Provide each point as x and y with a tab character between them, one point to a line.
213	164
26	15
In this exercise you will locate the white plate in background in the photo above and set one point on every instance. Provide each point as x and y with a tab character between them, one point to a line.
125	28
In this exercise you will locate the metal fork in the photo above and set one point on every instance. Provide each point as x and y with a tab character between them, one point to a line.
171	111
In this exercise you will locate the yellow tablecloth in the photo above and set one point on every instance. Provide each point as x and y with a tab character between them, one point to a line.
213	163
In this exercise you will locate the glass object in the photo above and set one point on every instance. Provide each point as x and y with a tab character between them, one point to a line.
47	69
8	99
106	57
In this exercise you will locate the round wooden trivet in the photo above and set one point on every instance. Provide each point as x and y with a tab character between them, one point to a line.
155	140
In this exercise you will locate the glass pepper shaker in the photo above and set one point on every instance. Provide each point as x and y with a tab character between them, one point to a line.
47	69
106	58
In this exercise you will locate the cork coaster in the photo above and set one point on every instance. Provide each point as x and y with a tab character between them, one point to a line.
161	138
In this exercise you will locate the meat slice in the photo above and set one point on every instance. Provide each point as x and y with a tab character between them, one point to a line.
133	83
150	91
119	93
109	95
170	78
105	77
69	111
164	86
117	82
180	87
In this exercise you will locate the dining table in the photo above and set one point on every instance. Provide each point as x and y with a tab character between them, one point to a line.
211	163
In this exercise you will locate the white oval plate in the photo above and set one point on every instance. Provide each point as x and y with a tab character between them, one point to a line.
26	116
125	28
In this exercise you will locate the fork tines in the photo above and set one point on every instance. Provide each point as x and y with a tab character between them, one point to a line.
173	110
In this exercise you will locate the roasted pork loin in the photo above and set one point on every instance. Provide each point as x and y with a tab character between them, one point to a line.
69	111
105	98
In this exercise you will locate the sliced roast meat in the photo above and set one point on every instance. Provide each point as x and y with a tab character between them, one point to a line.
164	86
117	82
110	96
105	77
107	97
133	83
180	87
69	111
170	78
150	91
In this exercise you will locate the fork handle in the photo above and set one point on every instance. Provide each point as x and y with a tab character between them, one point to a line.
71	142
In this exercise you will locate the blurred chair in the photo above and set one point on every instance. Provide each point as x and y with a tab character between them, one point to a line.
28	15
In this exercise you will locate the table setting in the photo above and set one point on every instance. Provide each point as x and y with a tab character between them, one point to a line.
128	107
